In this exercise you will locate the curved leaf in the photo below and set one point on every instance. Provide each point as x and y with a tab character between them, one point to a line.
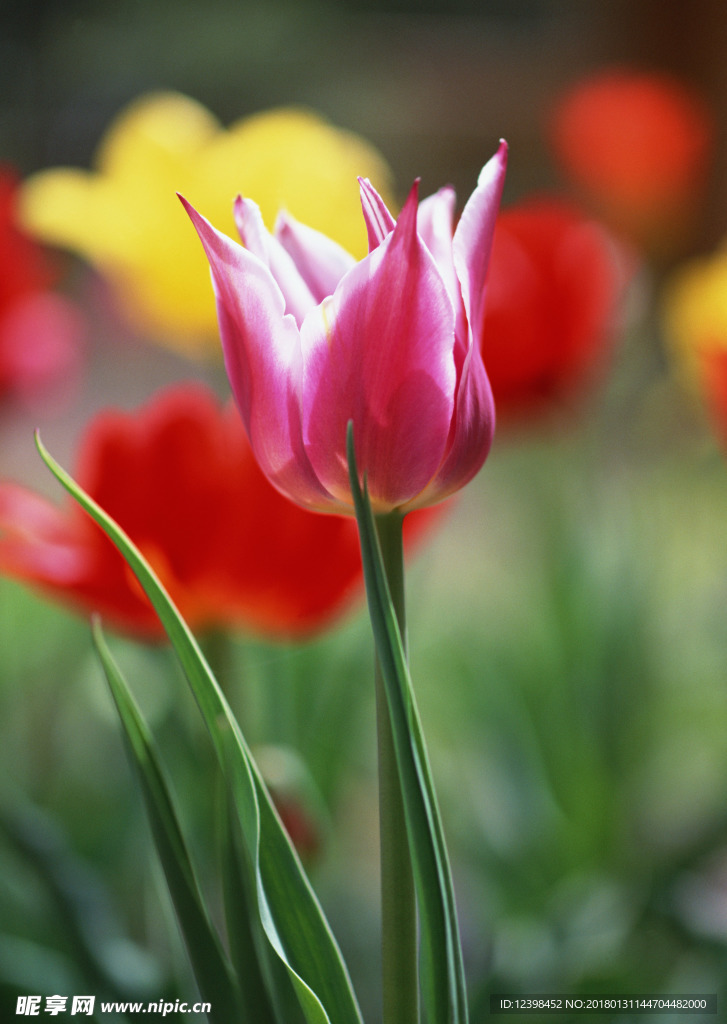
211	968
291	917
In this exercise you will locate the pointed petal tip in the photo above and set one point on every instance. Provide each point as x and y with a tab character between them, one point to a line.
243	204
187	205
494	171
247	217
406	222
197	219
365	187
282	225
285	219
413	198
379	221
496	165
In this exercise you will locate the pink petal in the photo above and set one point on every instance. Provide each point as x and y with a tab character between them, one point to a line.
379	352
41	334
379	222
473	428
435	219
473	422
473	238
434	224
263	361
38	541
256	237
320	261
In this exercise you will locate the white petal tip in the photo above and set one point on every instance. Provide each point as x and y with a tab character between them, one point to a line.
496	165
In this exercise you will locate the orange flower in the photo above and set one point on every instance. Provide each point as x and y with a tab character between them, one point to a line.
638	146
552	294
180	478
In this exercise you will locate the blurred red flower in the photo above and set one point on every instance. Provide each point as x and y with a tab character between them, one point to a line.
180	478
40	331
713	373
552	294
638	145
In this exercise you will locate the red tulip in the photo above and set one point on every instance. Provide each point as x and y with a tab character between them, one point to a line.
552	292
180	478
637	145
40	331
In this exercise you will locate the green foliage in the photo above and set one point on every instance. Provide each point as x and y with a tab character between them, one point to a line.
291	918
442	968
569	665
211	967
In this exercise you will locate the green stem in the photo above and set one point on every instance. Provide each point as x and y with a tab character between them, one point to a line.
398	898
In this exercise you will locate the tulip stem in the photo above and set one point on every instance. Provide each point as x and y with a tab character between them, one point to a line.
398	897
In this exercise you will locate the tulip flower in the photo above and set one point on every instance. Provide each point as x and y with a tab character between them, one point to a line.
180	478
638	146
695	323
313	339
552	294
40	330
122	217
714	384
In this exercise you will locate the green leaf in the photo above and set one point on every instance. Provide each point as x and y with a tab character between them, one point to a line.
444	995
82	905
291	917
211	968
268	995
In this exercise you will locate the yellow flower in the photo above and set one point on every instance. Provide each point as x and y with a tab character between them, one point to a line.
695	311
125	219
695	324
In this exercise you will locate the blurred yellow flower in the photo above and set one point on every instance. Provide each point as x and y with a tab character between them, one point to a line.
695	324
125	219
695	310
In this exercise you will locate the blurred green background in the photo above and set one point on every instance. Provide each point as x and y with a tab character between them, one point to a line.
568	624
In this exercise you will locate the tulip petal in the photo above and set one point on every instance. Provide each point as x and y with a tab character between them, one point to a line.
379	222
473	428
379	352
320	261
256	237
473	238
263	359
434	224
38	542
435	218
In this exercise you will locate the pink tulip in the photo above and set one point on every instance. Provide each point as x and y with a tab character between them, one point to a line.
312	340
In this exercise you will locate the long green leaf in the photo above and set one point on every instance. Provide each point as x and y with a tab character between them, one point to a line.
292	919
211	968
444	993
263	978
